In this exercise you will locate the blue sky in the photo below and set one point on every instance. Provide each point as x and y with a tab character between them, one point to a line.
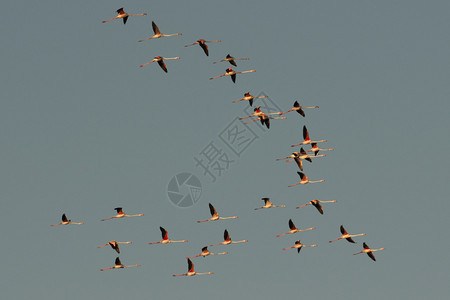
84	130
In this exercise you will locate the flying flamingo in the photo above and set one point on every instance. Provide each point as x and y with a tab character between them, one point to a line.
232	73
299	246
160	61
294	229
121	214
191	271
215	215
369	251
305	179
249	98
123	15
205	253
165	238
306	138
347	236
202	43
298	108
268	204
227	240
299	156
118	265
316	149
261	117
158	33
231	60
114	245
317	205
66	222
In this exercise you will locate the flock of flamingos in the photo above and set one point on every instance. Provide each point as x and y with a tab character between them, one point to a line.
264	118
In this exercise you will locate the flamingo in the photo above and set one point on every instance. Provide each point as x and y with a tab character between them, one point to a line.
121	214
205	253
158	33
227	240
317	205
305	179
294	229
299	246
191	271
232	73
202	43
347	236
118	265
66	222
160	61
230	59
316	149
123	15
369	251
249	98
114	245
215	215
268	204
165	238
299	156
306	138
298	108
261	117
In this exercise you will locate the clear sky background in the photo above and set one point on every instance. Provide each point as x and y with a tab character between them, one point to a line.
83	130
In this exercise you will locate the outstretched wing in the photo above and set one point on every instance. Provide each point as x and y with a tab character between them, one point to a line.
291	224
190	266
226	235
155	28
212	210
118	261
318	206
162	65
163	233
205	48
64	218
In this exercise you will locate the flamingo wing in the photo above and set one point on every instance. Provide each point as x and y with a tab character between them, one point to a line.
250	102
350	240
162	65
119	210
163	233
301	175
300	111
118	261
125	20
205	48
317	206
305	133
370	254
205	249
296	104
298	249
190	266
299	163
155	28
115	246
120	11
266	200
291	225
343	231
226	235
64	218
365	246
212	210
233	78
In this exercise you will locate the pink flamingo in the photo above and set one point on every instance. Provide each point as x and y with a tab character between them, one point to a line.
299	246
261	117
230	72
160	61
268	204
121	214
306	138
66	222
231	60
191	271
123	15
317	205
119	265
316	149
346	236
294	229
158	33
205	253
305	179
114	245
249	98
215	215
202	44
299	156
227	240
369	251
165	239
298	108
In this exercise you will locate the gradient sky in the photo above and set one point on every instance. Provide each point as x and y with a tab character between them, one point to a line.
84	130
